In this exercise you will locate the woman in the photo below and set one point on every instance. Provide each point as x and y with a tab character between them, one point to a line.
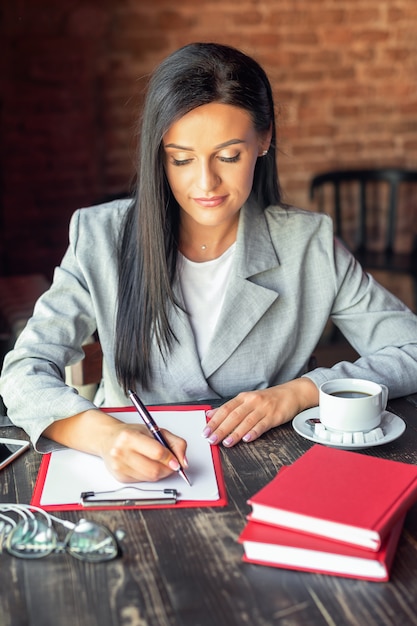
205	286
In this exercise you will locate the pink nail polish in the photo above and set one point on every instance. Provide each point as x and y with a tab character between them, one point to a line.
174	465
206	432
228	441
213	439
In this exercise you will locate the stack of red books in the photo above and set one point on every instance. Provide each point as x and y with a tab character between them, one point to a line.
333	512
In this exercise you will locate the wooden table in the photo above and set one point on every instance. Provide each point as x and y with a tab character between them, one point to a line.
183	567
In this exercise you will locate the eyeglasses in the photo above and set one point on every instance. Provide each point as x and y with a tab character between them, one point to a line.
33	536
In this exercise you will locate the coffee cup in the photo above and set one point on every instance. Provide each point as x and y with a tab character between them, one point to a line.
351	404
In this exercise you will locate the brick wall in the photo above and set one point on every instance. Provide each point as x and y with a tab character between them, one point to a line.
344	76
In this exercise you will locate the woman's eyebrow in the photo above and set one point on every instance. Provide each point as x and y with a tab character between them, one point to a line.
230	142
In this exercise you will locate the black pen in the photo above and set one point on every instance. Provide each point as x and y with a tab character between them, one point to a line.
153	427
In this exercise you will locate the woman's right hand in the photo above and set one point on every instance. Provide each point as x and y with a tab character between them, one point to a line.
129	451
132	454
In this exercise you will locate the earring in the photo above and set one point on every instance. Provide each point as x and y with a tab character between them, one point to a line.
264	153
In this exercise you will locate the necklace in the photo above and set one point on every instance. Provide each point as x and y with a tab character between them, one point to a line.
204	247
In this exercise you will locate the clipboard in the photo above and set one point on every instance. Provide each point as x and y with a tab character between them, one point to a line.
69	466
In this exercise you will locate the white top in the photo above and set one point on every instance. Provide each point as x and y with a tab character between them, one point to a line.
204	286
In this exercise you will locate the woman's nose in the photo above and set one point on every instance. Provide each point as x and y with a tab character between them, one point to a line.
208	178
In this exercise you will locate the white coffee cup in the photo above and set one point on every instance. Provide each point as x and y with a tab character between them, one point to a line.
352	404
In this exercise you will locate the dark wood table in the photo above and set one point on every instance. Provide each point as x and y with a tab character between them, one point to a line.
183	567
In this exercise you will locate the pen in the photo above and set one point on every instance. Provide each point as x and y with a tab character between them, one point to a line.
153	427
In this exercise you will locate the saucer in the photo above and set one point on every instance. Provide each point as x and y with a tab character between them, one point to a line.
392	427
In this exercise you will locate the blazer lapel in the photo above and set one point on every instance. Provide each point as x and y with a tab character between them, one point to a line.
248	296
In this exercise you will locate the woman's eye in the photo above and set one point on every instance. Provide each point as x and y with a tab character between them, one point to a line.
232	159
178	162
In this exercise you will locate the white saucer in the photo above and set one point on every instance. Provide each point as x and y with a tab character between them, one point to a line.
392	426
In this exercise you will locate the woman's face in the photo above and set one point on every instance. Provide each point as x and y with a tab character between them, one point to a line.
210	157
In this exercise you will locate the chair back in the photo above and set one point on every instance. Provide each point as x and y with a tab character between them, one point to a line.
365	203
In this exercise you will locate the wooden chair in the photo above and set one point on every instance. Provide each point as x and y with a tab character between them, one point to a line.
89	370
18	295
367	206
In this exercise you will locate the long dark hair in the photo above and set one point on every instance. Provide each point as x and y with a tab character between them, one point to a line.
197	74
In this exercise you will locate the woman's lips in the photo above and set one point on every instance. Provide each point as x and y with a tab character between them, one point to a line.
211	202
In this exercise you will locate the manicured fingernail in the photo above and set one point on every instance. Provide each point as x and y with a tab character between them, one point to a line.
209	413
228	441
213	439
174	465
247	437
206	432
185	462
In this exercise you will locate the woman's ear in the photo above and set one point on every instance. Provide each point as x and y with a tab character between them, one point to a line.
265	142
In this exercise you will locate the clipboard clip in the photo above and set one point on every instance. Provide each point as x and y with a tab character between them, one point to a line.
164	496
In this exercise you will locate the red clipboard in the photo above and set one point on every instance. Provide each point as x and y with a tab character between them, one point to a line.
181	504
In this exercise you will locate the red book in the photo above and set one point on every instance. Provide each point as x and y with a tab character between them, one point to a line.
280	547
344	496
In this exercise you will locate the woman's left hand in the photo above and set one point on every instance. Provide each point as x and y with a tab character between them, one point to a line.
251	413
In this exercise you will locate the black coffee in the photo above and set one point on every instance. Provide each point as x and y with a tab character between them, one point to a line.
351	394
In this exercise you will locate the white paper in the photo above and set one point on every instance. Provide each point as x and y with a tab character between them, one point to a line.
71	472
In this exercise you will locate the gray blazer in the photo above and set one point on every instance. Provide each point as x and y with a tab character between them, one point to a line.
289	276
